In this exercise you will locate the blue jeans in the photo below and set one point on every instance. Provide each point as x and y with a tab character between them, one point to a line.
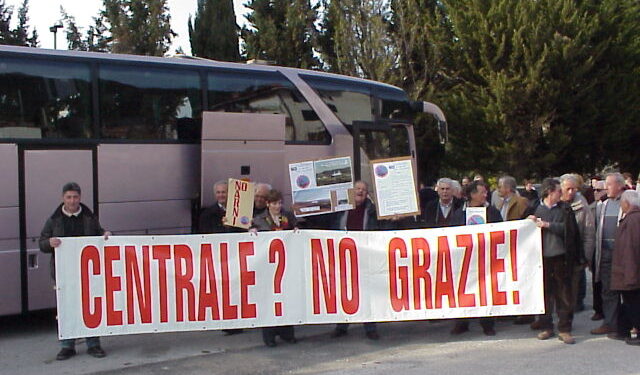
92	342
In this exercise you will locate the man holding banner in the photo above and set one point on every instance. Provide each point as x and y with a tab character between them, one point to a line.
71	219
561	250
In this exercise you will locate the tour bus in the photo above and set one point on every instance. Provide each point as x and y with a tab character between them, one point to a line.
146	137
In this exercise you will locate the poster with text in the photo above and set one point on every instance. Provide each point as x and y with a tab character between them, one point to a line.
239	204
321	186
395	187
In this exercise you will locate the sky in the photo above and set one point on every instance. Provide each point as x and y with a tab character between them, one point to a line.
45	13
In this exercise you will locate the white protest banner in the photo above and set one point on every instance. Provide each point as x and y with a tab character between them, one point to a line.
142	284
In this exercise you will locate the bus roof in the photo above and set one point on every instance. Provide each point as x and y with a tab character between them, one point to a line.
179	61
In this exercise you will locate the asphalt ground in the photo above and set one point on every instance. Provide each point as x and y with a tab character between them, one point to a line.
28	345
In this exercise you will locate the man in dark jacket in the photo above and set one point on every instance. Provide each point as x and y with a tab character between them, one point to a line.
212	221
362	217
476	192
561	251
439	212
71	219
625	266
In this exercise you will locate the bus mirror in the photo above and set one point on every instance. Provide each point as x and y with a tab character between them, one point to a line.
436	112
443	131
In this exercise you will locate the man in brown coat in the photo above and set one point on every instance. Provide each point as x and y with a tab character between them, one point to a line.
625	266
512	206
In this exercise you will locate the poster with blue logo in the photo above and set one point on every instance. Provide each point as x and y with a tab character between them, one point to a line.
476	215
321	186
395	187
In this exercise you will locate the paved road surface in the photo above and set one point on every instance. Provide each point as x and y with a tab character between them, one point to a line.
28	346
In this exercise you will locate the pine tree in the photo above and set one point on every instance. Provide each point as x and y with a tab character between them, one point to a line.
281	31
140	27
214	32
73	34
20	35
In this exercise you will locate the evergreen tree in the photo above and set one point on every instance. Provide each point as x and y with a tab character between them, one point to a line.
20	35
214	32
281	31
139	27
73	34
5	20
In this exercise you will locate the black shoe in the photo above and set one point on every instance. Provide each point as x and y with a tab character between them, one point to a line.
97	352
229	332
338	333
597	316
373	335
459	329
65	353
489	331
631	341
270	343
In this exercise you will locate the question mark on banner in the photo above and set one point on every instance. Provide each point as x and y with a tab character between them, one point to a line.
276	248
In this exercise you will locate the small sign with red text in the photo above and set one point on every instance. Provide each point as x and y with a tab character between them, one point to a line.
144	284
239	204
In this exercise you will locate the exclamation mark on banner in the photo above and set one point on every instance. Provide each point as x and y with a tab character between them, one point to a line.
513	247
277	248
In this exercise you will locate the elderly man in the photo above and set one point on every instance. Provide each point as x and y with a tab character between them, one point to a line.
599	194
570	186
625	266
512	206
71	219
439	213
260	198
561	250
212	221
608	214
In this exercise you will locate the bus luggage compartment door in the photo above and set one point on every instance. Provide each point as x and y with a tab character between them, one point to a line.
45	172
243	146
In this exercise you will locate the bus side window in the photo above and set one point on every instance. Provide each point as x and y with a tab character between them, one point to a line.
141	103
267	92
44	99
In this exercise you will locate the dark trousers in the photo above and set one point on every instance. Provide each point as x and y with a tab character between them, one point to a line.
485	323
285	332
368	327
629	316
557	291
597	296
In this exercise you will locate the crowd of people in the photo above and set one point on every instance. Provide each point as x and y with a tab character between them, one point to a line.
594	227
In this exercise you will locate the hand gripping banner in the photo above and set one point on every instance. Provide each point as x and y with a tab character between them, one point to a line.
143	284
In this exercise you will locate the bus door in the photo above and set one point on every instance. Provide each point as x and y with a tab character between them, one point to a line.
243	146
43	173
380	140
10	278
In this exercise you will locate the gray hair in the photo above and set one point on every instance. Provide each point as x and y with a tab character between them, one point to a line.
455	185
221	182
445	180
509	182
569	177
631	197
617	176
262	185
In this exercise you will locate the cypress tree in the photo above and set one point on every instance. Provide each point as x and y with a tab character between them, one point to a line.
281	31
214	32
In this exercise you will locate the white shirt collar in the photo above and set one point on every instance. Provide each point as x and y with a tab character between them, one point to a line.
69	214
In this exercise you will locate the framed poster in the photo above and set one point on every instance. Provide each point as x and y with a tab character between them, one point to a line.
395	187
